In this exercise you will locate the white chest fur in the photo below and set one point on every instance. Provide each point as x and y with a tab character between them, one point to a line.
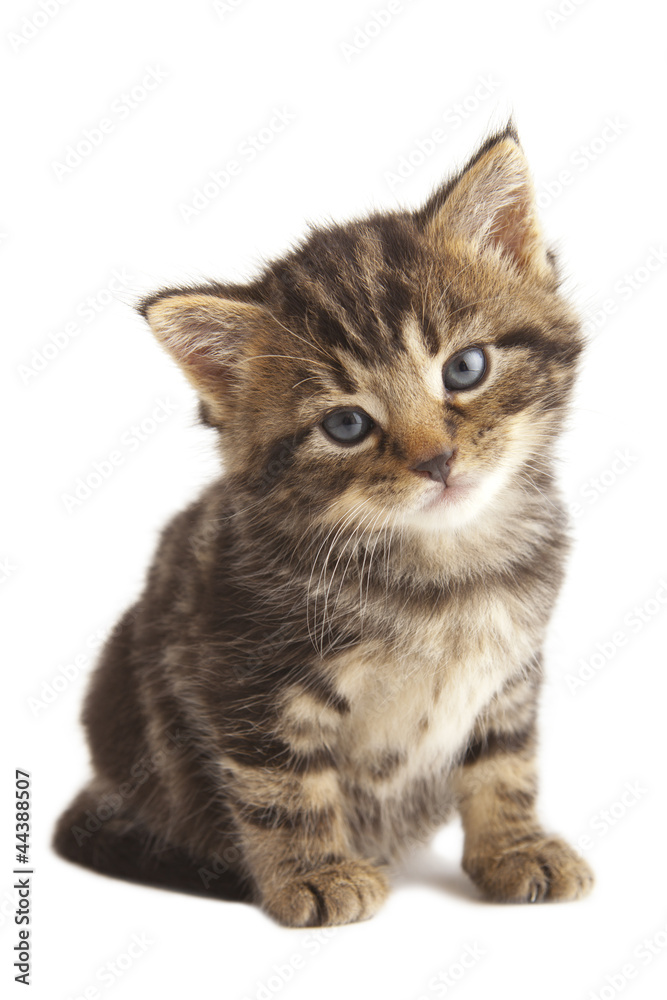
420	703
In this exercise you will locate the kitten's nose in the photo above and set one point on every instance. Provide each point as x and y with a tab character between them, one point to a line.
438	467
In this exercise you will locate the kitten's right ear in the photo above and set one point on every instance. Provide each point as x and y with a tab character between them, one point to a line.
491	204
205	334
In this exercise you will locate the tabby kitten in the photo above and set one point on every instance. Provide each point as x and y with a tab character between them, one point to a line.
339	642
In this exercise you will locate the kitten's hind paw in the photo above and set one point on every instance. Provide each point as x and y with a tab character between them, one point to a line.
541	868
340	892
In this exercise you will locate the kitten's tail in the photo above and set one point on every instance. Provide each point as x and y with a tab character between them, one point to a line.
121	849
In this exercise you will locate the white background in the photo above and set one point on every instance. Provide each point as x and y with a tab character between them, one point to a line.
68	574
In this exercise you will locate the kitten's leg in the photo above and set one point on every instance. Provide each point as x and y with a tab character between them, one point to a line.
121	847
506	852
295	843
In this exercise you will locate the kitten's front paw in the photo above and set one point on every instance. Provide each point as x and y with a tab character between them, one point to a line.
337	893
542	868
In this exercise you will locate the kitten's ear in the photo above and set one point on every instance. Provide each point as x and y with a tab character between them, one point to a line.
492	204
205	334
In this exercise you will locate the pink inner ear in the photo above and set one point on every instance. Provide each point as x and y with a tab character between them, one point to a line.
512	229
208	369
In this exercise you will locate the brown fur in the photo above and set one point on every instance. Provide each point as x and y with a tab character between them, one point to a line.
321	667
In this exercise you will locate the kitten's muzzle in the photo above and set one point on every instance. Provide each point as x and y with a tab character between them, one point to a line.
438	467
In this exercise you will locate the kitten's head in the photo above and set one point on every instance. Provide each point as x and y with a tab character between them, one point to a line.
409	368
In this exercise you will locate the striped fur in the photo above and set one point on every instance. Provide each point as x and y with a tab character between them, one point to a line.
346	651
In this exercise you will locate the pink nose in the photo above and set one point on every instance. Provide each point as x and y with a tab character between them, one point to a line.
438	467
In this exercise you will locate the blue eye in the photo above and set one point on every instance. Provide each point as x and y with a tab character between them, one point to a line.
348	426
465	369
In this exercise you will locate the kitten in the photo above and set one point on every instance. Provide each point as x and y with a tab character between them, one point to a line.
339	643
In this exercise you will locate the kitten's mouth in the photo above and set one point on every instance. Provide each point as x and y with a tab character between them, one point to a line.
444	494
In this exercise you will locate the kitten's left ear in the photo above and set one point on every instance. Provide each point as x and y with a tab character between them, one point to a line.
206	334
492	204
